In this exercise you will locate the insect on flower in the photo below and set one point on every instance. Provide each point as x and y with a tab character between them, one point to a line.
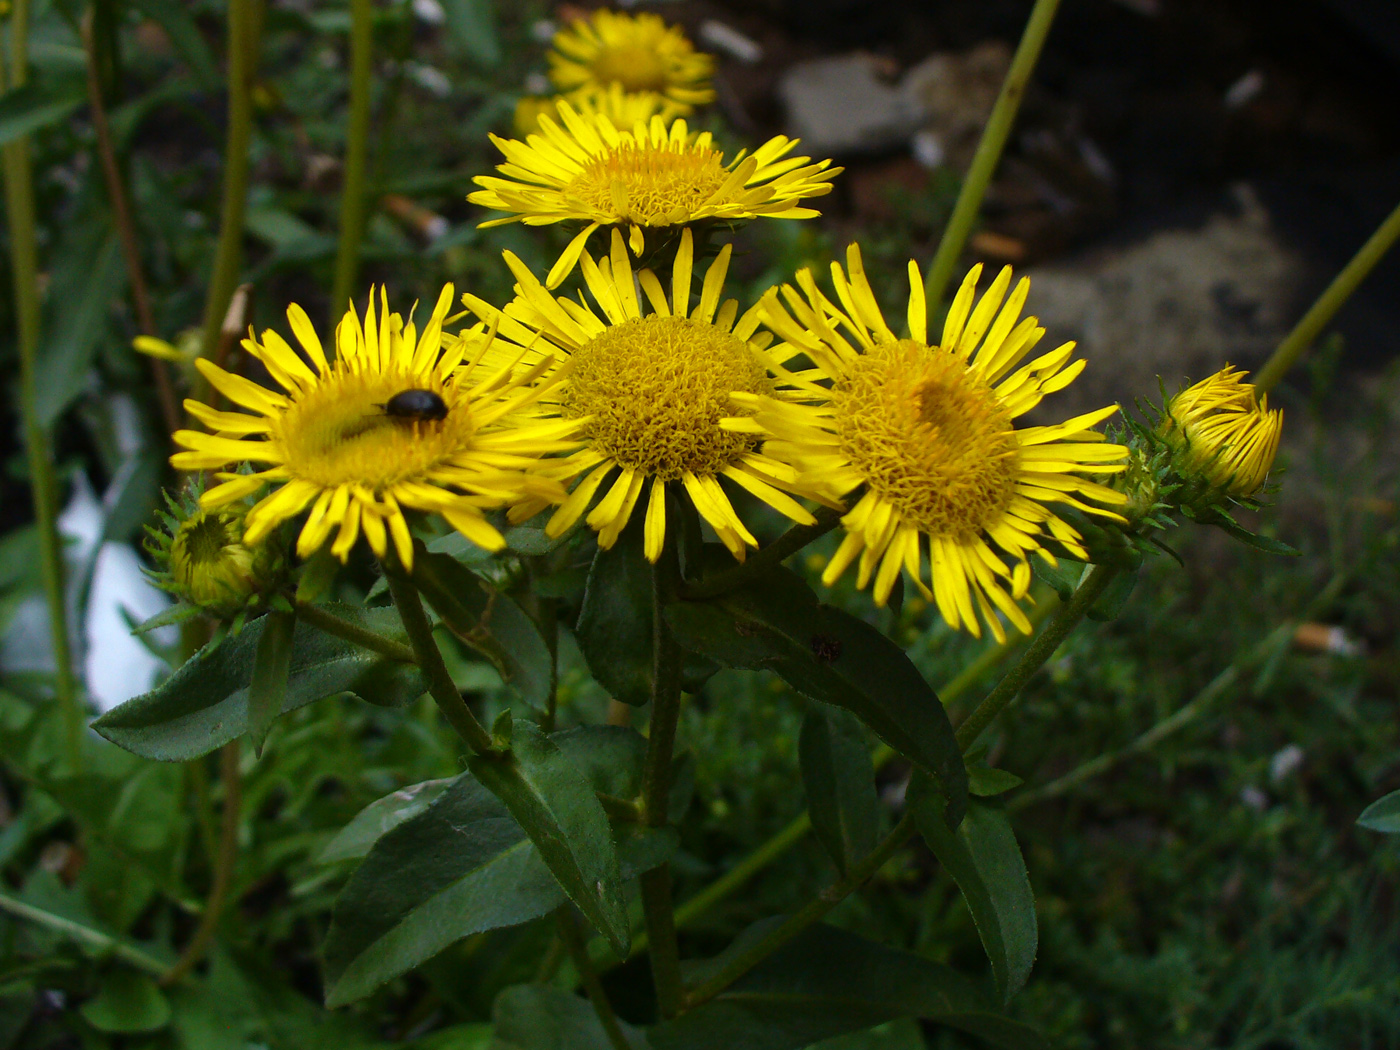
418	406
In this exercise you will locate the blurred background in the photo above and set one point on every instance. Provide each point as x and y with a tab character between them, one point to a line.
1184	179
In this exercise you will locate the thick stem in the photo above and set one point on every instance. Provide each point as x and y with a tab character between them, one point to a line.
769	557
327	621
242	47
440	684
1040	650
813	913
126	229
578	951
656	783
1328	303
232	780
352	194
24	265
984	161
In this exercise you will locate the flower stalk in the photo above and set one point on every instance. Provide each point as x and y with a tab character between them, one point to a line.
24	265
989	150
352	196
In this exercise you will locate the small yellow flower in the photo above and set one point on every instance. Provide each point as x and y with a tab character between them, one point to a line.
650	388
637	53
210	566
926	432
1223	433
340	440
650	178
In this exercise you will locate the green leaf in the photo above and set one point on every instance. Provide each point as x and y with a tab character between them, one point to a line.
176	614
487	620
1063	577
615	623
555	804
840	782
904	1034
185	35
983	859
1382	815
38	104
272	661
77	330
984	781
128	1002
826	982
204	704
381	816
460	866
826	654
1111	602
543	1017
473	26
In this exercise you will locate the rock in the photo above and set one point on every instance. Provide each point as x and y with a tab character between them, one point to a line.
843	105
1179	304
955	94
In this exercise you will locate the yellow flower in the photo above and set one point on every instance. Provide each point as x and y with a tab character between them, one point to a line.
1223	433
650	387
927	431
649	178
341	441
638	53
210	565
624	108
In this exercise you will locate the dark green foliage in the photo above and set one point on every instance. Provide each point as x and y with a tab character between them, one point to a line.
839	780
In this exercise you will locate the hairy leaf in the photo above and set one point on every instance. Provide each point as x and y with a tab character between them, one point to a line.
840	782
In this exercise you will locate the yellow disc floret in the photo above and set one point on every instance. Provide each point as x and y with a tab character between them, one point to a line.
931	437
648	186
655	388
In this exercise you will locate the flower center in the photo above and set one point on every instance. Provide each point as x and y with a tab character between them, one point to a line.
634	66
932	438
656	389
648	185
338	432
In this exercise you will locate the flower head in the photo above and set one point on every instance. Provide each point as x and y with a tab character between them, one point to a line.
623	108
637	53
201	557
393	422
926	432
650	387
649	178
1223	434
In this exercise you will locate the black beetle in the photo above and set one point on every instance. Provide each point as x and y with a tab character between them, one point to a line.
416	405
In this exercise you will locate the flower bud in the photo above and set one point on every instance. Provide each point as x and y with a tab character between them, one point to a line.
1222	435
210	567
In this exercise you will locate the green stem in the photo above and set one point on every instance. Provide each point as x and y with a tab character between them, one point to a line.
324	620
1328	303
429	659
1040	650
352	195
228	255
769	557
578	951
232	779
813	913
989	149
657	906
24	264
86	935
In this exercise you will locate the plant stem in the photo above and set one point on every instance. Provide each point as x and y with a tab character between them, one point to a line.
232	780
1297	342
24	264
318	616
127	953
242	47
352	194
1040	650
440	684
578	951
814	912
126	229
989	149
656	783
771	556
